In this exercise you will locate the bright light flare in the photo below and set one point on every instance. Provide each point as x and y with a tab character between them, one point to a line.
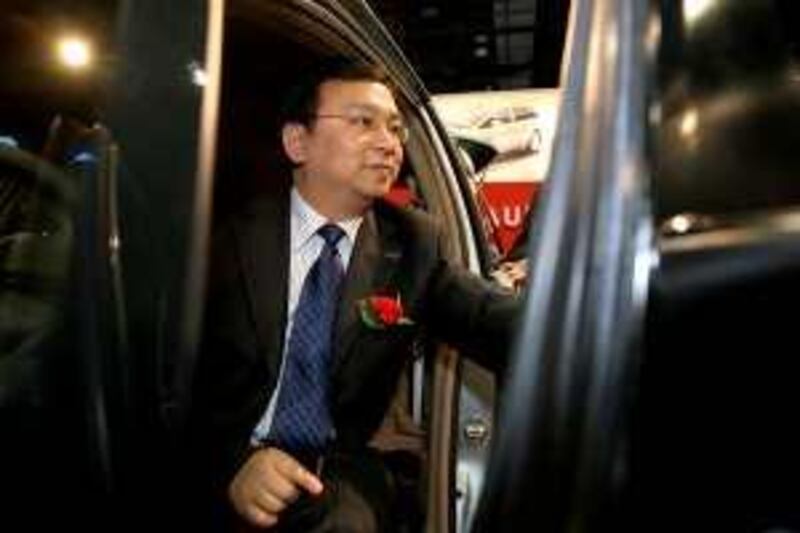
680	224
693	10
689	123
198	74
74	52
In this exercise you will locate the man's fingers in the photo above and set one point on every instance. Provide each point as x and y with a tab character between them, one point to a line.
297	474
271	503
267	483
308	481
282	487
260	517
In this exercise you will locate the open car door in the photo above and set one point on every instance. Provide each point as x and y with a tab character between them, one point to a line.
651	388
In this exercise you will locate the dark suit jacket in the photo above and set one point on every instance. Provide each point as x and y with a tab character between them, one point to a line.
397	251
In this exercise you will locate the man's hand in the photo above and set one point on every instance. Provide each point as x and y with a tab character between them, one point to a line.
268	482
512	274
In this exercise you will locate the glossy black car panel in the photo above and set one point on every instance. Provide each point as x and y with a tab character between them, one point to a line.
713	433
681	418
97	125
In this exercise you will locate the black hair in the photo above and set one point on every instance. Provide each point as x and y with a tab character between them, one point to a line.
302	100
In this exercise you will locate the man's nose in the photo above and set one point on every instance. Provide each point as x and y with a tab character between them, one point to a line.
386	138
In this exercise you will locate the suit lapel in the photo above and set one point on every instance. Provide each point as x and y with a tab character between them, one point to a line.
264	246
263	241
372	268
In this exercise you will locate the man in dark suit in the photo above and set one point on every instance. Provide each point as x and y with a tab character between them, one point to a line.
298	461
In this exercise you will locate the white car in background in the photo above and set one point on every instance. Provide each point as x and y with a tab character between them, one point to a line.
516	123
511	131
519	127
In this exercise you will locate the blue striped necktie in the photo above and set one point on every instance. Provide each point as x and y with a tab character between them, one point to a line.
302	420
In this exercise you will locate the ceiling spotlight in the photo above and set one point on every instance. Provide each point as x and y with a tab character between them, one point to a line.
74	52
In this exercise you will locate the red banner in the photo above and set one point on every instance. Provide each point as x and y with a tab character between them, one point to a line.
507	206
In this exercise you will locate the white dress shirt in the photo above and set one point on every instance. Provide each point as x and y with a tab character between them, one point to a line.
305	247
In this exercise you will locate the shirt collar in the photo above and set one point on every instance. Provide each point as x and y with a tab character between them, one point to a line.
306	221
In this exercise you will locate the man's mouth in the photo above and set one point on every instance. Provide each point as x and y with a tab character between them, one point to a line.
392	169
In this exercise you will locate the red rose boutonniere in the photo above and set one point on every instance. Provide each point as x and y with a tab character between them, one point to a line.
381	312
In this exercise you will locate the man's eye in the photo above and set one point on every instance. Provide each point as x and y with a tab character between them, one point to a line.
363	121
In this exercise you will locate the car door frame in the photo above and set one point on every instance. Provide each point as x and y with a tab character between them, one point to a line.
559	459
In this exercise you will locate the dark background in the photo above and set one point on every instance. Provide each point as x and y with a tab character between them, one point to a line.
475	45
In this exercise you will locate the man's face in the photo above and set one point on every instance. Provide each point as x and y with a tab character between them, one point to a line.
352	149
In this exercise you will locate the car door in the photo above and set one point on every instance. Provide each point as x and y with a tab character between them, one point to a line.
560	452
651	386
100	128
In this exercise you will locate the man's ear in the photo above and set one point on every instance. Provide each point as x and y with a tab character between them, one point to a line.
294	142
